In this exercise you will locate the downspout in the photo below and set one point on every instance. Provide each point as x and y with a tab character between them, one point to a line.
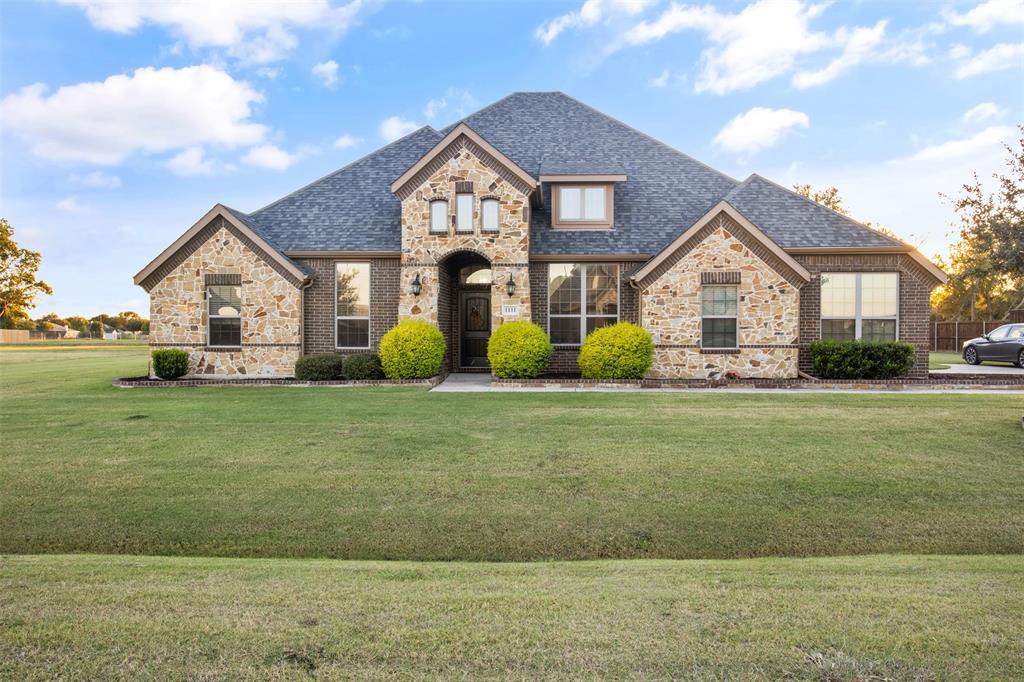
307	283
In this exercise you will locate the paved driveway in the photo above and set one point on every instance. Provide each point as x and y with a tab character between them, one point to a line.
979	369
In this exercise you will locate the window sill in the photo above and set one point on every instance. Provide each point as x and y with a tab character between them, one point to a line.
352	348
720	351
223	349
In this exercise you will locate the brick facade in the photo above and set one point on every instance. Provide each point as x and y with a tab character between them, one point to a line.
319	302
915	299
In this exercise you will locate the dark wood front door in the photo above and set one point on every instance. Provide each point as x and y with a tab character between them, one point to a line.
474	327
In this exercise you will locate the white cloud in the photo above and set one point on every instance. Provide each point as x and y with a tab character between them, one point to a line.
191	162
759	128
151	110
590	13
666	79
97	179
958	150
269	72
859	45
987	15
983	112
959	51
998	58
70	205
327	72
457	101
255	32
269	156
346	141
394	127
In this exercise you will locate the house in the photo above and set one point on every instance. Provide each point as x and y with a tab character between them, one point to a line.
539	208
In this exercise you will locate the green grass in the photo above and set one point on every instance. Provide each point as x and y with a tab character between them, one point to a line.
851	618
943	359
400	473
91	344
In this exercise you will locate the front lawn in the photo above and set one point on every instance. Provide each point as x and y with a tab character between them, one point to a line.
848	618
943	359
400	473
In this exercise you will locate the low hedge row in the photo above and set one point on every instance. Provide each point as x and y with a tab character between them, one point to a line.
861	359
330	367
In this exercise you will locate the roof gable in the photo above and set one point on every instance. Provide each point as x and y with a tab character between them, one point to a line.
462	135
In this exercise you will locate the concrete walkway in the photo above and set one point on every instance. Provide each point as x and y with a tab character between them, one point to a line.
481	383
979	369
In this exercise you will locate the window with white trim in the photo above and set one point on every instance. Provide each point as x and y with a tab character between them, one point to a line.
224	315
860	305
581	298
582	206
352	305
719	310
463	212
489	211
439	215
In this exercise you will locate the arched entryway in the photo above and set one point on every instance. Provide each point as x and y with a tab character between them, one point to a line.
464	309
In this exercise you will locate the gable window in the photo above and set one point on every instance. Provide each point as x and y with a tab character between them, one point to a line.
489	215
582	206
439	215
464	212
719	307
225	318
859	305
581	298
352	305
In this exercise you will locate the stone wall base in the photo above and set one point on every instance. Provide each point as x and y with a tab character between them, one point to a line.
748	363
251	361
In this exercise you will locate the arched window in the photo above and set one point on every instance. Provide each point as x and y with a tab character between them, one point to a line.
475	274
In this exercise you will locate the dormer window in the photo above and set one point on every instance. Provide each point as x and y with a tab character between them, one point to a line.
463	212
584	206
439	216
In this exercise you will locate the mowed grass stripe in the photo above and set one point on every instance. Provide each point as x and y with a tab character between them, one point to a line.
877	617
400	473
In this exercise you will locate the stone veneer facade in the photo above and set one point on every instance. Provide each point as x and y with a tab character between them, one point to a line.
271	310
768	314
424	253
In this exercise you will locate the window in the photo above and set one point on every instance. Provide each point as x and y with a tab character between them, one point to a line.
352	305
464	212
859	305
718	309
439	216
489	211
225	317
475	274
582	206
581	298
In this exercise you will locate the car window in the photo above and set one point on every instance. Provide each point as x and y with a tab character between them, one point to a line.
1017	332
999	333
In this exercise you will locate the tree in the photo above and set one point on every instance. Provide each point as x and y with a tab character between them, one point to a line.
18	282
77	323
48	322
830	198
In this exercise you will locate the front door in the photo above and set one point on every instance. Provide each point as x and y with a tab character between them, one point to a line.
474	327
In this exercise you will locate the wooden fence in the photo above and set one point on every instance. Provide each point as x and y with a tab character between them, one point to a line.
950	336
14	335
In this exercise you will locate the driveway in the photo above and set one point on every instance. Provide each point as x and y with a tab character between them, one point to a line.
979	369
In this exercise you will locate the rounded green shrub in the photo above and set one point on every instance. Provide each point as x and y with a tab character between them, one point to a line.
518	350
170	363
861	359
319	367
412	349
618	351
363	366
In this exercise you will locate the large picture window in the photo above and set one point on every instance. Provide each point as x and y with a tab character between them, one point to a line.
224	315
719	307
581	298
860	305
352	305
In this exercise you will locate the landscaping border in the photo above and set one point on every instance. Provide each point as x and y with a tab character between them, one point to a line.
944	382
146	382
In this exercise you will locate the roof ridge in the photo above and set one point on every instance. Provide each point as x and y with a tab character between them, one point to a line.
832	210
348	165
649	137
451	126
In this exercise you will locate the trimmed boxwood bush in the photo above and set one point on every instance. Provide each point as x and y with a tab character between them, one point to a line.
518	350
363	366
618	351
170	363
319	367
861	359
412	349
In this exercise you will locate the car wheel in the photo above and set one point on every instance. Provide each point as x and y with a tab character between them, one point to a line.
971	356
1020	358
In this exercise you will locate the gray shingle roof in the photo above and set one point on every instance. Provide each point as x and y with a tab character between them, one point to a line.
793	221
551	133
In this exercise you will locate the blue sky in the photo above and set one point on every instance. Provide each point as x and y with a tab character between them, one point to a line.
124	122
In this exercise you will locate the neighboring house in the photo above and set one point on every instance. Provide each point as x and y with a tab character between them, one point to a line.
538	208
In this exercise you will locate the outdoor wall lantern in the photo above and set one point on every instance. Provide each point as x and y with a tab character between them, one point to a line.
510	285
417	287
